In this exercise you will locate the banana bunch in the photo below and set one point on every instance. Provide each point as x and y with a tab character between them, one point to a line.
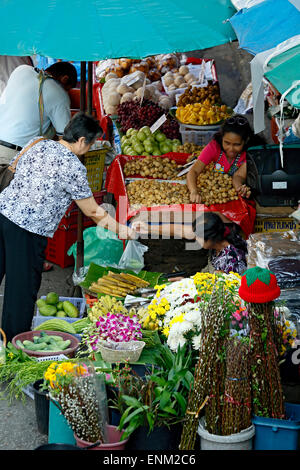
104	305
142	313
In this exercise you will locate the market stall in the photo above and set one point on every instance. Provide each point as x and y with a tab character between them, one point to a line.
176	358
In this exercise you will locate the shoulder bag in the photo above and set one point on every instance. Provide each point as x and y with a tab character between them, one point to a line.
7	171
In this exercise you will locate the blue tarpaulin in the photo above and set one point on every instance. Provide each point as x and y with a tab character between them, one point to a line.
263	26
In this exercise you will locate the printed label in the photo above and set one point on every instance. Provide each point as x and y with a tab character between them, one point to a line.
158	123
279	185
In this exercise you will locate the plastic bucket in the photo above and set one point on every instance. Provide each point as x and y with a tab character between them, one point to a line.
278	434
114	440
160	438
41	405
239	441
57	447
59	429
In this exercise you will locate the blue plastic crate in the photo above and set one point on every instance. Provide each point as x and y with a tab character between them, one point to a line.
278	434
79	302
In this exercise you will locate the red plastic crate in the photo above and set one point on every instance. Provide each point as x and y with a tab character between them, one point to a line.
104	119
57	248
70	217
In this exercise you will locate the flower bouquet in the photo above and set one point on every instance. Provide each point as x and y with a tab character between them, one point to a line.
116	337
177	309
80	395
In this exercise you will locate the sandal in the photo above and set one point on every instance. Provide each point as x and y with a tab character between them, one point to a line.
47	267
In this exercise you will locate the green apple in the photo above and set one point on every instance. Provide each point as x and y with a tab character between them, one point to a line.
160	137
150	140
141	135
176	141
175	147
156	151
148	148
146	130
126	149
129	132
165	148
138	148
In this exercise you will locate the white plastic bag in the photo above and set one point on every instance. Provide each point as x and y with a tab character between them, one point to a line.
133	256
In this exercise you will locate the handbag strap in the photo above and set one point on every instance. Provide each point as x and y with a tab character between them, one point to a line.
12	167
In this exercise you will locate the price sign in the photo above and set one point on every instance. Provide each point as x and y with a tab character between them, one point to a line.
143	90
158	123
131	79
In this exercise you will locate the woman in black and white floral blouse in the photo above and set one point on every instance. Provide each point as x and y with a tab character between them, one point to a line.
49	176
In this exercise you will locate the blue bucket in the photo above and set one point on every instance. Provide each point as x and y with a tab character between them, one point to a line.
278	434
59	429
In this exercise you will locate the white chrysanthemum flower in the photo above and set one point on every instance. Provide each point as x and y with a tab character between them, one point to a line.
196	342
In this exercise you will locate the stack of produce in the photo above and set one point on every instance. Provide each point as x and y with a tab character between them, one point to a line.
133	114
181	78
199	94
143	142
154	167
202	114
118	285
117	90
51	306
44	342
151	193
153	66
189	147
215	187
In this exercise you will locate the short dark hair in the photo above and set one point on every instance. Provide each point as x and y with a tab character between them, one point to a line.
82	125
58	69
239	124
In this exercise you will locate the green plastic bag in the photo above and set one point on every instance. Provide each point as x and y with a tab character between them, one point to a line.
101	246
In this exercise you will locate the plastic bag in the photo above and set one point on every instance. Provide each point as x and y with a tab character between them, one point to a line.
133	256
101	246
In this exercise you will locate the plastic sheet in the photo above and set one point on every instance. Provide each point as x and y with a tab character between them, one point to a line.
242	211
286	270
267	246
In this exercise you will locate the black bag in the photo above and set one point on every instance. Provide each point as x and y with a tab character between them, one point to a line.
6	175
7	171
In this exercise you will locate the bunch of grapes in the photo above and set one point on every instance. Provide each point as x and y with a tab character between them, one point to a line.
134	115
171	128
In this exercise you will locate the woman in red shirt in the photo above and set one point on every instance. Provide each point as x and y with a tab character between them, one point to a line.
228	150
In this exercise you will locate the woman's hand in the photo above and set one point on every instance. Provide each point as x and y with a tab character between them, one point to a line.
127	233
244	191
195	197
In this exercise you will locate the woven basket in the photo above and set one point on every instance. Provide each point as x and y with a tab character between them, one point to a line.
118	355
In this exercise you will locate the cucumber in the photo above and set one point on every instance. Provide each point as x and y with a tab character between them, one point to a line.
20	344
57	324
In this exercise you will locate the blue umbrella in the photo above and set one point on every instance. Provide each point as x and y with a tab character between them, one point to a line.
266	24
90	30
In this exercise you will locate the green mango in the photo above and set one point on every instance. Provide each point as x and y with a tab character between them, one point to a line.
61	313
40	303
59	306
52	298
48	310
70	309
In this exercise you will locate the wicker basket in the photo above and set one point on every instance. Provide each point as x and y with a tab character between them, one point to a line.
119	355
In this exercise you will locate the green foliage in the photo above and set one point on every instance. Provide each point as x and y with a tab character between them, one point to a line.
160	398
